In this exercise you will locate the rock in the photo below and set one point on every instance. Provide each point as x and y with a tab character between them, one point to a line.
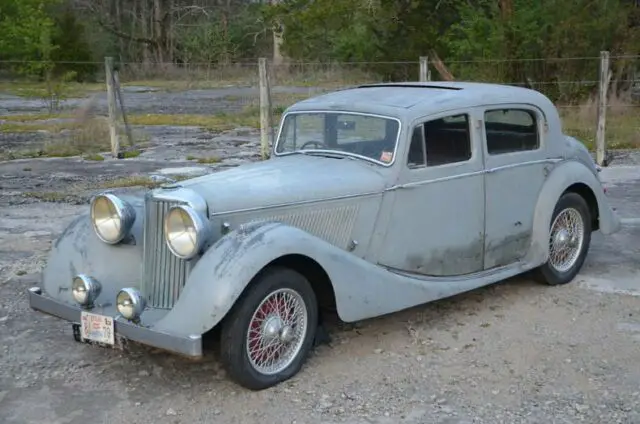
171	412
143	373
446	409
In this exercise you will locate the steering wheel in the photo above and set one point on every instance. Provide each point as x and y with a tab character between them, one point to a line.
317	143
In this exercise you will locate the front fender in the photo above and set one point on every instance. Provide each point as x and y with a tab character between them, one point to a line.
79	251
563	176
361	288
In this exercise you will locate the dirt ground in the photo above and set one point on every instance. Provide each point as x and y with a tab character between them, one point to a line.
515	352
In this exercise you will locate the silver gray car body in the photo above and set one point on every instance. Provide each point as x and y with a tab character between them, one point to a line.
379	237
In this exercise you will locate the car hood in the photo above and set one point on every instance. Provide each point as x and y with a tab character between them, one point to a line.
287	179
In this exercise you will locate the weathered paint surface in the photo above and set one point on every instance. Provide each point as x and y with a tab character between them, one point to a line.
362	289
404	220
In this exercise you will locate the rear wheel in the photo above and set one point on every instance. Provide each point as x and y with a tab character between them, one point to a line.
569	239
269	332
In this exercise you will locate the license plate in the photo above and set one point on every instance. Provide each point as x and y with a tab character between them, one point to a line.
97	328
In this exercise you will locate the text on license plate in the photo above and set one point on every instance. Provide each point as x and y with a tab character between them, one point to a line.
97	328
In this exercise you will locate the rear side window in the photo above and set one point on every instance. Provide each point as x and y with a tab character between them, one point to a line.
441	141
510	130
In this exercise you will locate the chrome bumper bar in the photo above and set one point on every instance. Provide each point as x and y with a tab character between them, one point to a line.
190	346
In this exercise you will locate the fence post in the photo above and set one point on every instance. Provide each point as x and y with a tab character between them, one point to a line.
111	102
424	68
265	108
116	80
605	77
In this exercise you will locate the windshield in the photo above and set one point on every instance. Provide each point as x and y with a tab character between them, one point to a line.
359	135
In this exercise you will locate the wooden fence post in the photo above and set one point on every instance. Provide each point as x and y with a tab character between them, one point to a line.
118	90
605	78
265	108
111	102
424	68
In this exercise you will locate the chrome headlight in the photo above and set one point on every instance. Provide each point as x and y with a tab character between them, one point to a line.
112	218
186	231
85	290
130	303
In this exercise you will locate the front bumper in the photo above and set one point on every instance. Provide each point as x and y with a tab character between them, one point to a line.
190	346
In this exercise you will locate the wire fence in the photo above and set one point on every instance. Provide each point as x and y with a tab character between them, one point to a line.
222	96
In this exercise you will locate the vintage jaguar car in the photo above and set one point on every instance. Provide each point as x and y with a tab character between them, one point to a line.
376	198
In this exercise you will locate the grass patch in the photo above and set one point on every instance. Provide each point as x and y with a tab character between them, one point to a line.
139	181
204	160
134	181
96	158
47	196
622	122
32	89
22	127
33	117
131	154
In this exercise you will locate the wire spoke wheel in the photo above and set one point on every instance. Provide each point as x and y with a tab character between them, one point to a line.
277	331
566	239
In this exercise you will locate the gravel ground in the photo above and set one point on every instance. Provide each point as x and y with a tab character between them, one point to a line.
515	352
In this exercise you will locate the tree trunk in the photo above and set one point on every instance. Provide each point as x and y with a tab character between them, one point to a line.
159	35
278	57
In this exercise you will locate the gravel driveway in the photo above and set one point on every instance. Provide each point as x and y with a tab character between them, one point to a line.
515	352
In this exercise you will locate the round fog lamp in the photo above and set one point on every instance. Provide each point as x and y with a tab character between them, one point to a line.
186	232
85	290
130	303
112	217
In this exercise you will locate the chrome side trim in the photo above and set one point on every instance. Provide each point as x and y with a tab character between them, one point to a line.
435	180
471	174
519	164
301	202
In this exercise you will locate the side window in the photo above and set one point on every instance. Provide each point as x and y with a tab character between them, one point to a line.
510	130
448	140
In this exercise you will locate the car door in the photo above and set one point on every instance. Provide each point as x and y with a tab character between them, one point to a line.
516	167
436	221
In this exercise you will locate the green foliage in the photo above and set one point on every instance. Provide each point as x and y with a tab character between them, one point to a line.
25	35
512	43
507	41
73	57
36	35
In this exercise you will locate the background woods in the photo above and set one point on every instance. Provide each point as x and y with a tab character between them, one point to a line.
71	37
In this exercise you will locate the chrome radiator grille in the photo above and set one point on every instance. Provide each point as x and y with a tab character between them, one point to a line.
163	274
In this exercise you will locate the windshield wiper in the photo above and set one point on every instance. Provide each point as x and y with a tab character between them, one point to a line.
323	153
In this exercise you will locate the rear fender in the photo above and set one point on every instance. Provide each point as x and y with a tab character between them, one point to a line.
563	176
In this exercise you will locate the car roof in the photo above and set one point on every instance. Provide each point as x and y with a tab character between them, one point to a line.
415	99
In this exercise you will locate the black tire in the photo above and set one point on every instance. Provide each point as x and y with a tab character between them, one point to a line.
546	273
233	340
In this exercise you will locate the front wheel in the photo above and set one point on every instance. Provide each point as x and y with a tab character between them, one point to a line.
569	239
269	332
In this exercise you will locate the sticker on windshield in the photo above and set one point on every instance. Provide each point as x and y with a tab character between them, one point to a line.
386	157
